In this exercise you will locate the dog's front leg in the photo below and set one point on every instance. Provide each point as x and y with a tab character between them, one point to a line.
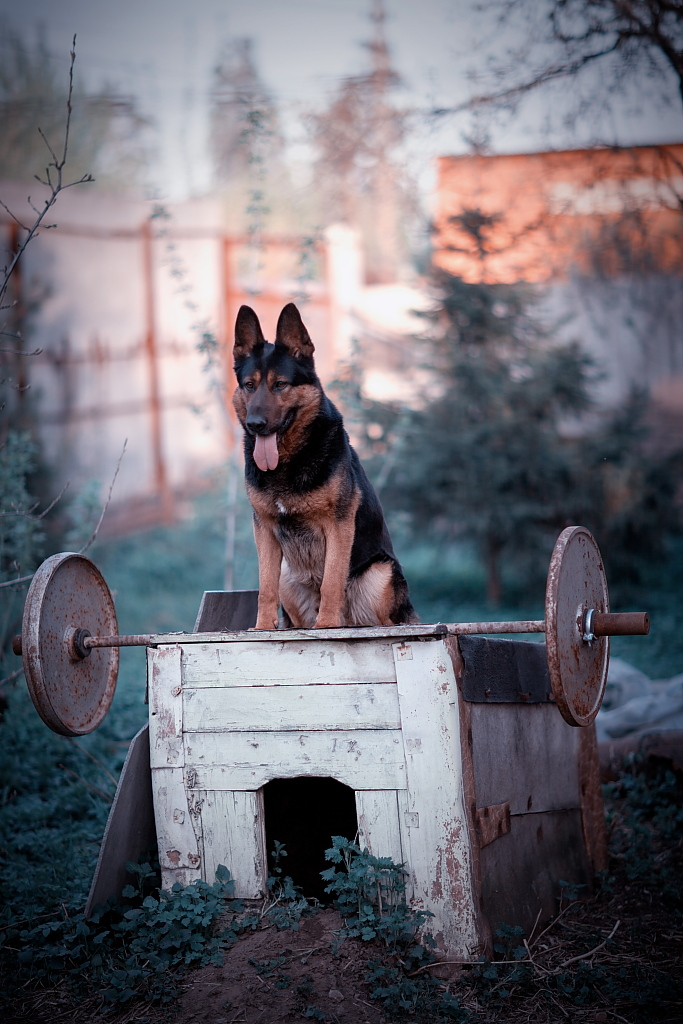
269	564
338	544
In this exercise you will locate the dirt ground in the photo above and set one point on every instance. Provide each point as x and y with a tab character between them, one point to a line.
276	977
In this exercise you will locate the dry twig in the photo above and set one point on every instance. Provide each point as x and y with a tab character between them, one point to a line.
106	505
53	180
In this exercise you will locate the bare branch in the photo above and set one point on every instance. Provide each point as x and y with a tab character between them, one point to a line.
14	218
15	387
28	513
18	351
565	69
11	677
584	956
95	789
106	506
50	149
17	581
91	756
55	187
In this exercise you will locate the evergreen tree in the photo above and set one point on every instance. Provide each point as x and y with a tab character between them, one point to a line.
486	458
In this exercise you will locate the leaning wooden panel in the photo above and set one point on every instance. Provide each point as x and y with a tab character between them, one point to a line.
329	706
361	759
130	828
526	755
378	823
435	833
258	663
233	835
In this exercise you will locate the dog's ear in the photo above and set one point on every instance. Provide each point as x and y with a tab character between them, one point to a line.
292	335
248	333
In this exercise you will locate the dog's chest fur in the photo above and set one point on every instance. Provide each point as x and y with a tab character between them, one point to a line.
298	522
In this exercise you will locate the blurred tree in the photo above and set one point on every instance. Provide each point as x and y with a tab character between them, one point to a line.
106	130
241	102
357	170
629	492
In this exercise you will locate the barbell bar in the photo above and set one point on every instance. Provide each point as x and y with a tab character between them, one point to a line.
71	667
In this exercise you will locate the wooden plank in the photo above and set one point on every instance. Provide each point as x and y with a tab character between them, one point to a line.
253	664
504	671
130	828
435	830
525	755
233	835
179	853
280	708
361	759
521	870
226	609
435	630
165	707
378	823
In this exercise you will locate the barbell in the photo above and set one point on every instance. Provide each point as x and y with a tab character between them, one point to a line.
70	646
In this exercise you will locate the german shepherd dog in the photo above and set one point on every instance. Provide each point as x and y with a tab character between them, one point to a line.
324	550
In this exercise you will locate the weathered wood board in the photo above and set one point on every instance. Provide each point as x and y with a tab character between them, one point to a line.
521	870
526	755
231	609
434	827
278	708
233	835
252	664
538	776
379	825
130	828
247	760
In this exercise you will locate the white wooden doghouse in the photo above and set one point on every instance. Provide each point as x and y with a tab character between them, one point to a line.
459	762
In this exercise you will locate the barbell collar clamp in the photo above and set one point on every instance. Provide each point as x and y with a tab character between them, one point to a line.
74	638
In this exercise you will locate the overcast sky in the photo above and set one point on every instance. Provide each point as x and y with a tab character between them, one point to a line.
163	53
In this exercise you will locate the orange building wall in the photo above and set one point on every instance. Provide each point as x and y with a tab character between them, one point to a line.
534	217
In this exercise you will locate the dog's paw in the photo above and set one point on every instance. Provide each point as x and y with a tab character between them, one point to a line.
260	626
327	624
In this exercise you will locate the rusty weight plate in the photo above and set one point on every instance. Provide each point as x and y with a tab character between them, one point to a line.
70	694
578	669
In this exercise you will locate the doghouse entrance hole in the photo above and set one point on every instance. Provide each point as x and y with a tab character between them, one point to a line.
303	814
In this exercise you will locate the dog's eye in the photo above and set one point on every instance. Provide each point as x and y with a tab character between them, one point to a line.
249	385
280	384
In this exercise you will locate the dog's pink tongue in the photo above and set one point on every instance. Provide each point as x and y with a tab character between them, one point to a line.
265	452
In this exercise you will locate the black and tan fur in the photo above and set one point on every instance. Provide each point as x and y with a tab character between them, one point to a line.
324	550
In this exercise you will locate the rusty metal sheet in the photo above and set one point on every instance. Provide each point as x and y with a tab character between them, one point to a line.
577	668
71	693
